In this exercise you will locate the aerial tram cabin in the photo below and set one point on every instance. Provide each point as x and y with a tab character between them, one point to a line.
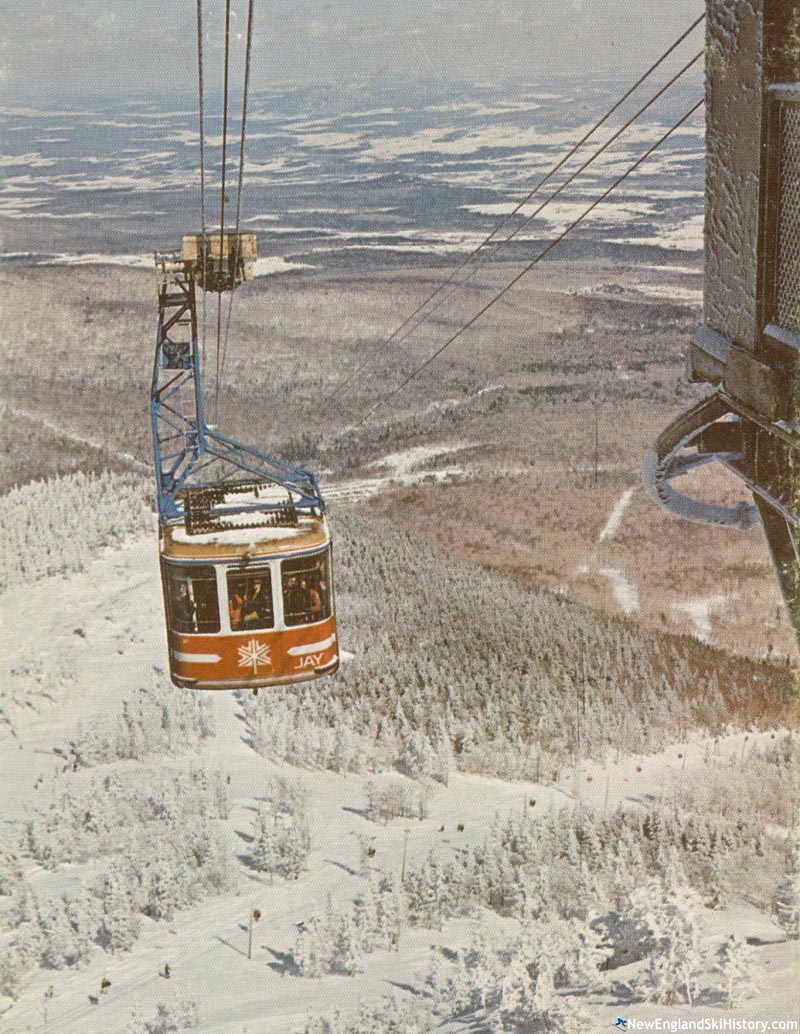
245	549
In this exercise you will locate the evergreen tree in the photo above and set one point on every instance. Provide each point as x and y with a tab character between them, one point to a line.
341	953
264	855
786	897
10	873
324	1025
119	925
390	912
58	943
83	914
734	961
10	971
671	914
307	950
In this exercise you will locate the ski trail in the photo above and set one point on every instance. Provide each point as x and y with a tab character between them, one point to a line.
116	603
624	591
404	468
699	609
612	524
354	491
71	436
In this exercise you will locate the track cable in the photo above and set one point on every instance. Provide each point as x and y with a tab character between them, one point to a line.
222	191
645	75
499	245
245	89
202	175
552	244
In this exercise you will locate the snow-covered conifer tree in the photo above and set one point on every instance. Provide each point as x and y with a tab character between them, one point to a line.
264	855
390	911
443	759
119	924
576	949
83	913
10	872
59	947
280	842
10	971
528	999
786	896
308	950
345	753
671	914
324	1025
161	892
341	954
734	960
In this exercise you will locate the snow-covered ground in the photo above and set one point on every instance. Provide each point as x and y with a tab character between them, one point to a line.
624	591
611	527
699	610
75	648
409	467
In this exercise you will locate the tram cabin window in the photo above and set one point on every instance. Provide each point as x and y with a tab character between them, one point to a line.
192	599
306	589
250	600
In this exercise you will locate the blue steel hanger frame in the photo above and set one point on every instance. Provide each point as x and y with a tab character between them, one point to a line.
196	465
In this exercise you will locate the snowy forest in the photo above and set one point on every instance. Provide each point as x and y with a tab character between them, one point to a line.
355	674
456	834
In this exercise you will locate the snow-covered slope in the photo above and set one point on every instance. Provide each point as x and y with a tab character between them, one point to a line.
79	650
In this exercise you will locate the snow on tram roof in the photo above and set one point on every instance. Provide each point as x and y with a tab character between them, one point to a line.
235	497
240	536
309	532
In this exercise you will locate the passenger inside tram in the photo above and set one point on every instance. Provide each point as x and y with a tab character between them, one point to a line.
257	609
183	609
250	601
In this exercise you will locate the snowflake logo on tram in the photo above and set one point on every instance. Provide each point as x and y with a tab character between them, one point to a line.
254	653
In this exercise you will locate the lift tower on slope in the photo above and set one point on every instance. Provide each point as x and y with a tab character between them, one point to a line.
748	348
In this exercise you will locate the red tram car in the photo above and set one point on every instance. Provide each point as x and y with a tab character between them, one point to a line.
249	610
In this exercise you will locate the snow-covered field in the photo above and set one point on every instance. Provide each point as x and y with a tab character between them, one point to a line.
380	907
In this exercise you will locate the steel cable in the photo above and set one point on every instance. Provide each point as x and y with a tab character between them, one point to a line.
379	348
472	273
222	190
202	175
241	178
417	370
